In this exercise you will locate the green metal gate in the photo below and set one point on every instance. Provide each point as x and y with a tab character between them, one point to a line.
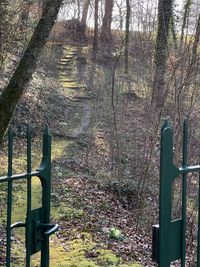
169	237
37	225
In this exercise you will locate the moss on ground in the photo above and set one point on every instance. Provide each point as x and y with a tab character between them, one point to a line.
63	212
76	253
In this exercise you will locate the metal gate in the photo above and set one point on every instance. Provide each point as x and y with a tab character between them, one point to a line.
37	225
169	237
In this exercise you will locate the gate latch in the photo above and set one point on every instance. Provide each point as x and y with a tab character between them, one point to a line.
49	228
39	230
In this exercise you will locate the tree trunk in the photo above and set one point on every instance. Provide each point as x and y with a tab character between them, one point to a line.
173	32
3	11
27	65
96	26
164	15
78	9
126	54
106	36
107	20
196	42
185	18
84	16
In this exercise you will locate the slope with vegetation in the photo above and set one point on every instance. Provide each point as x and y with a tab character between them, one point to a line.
104	93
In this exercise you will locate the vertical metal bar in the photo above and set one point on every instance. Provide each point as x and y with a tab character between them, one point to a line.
28	216
46	193
9	200
184	192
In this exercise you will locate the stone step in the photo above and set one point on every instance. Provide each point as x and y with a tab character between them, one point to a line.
74	87
69	57
64	69
68	79
63	63
63	76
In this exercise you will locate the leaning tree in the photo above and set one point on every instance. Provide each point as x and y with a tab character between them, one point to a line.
27	65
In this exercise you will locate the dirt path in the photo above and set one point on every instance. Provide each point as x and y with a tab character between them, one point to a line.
82	128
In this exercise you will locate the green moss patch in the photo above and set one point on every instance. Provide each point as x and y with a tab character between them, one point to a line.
76	253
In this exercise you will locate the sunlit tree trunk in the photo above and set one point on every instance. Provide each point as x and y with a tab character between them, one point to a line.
23	73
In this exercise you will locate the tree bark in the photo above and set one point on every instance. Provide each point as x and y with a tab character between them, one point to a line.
3	11
107	20
196	42
25	12
106	36
126	54
164	15
78	9
185	18
27	65
173	32
84	16
96	27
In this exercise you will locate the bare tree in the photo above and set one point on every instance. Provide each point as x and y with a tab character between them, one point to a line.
122	13
23	73
96	26
165	8
107	20
187	8
127	37
196	42
3	9
78	9
84	16
173	32
106	35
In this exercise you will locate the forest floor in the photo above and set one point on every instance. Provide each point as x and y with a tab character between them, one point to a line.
92	210
97	227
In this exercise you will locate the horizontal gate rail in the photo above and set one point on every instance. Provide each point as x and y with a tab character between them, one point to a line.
18	176
37	225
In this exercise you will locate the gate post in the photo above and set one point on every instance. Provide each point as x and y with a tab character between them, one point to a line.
45	177
169	234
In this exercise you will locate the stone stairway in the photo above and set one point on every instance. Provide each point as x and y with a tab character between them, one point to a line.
68	72
74	89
